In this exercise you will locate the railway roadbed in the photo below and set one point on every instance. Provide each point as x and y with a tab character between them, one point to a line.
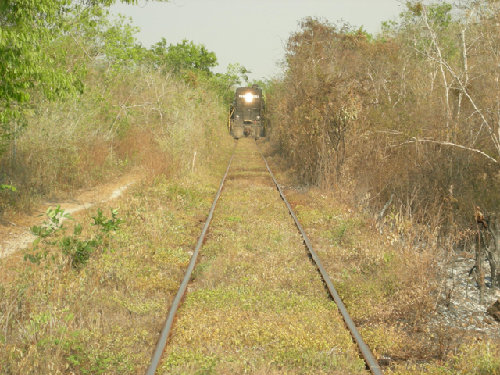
256	303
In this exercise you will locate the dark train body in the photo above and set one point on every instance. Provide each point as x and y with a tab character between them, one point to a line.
245	119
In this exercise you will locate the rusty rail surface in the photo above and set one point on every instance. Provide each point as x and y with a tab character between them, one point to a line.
368	356
162	341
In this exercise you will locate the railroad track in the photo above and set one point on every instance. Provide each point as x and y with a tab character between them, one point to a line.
253	172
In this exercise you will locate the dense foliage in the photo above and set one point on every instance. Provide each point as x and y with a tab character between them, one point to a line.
412	113
194	63
184	56
61	55
47	46
26	29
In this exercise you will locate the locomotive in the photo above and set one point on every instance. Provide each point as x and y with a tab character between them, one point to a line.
245	114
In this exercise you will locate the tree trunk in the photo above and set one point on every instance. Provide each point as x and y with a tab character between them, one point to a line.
479	266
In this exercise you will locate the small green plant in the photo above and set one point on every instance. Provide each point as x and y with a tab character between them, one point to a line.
80	250
35	256
77	249
7	187
107	225
56	216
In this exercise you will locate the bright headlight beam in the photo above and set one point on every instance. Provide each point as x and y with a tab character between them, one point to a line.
248	97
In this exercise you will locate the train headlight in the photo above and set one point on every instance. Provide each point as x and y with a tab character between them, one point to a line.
248	97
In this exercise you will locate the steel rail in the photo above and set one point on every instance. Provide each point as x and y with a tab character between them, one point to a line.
368	356
162	341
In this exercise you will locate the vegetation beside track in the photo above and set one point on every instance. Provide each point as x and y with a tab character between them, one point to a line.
89	304
399	113
390	290
397	129
82	101
104	316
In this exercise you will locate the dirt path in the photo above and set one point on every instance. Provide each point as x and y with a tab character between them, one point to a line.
15	232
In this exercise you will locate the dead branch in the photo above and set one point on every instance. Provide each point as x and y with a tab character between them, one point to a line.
451	144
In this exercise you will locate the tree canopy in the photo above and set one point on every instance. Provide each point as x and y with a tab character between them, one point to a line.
184	56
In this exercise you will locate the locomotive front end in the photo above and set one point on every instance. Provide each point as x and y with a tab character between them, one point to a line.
246	113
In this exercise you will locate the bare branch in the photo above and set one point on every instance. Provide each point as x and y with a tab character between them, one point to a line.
451	144
462	86
443	74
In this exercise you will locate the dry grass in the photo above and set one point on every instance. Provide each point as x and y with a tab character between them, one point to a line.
142	119
245	311
105	316
239	314
389	283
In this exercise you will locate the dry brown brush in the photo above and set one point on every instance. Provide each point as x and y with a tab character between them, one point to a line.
412	114
404	125
140	119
